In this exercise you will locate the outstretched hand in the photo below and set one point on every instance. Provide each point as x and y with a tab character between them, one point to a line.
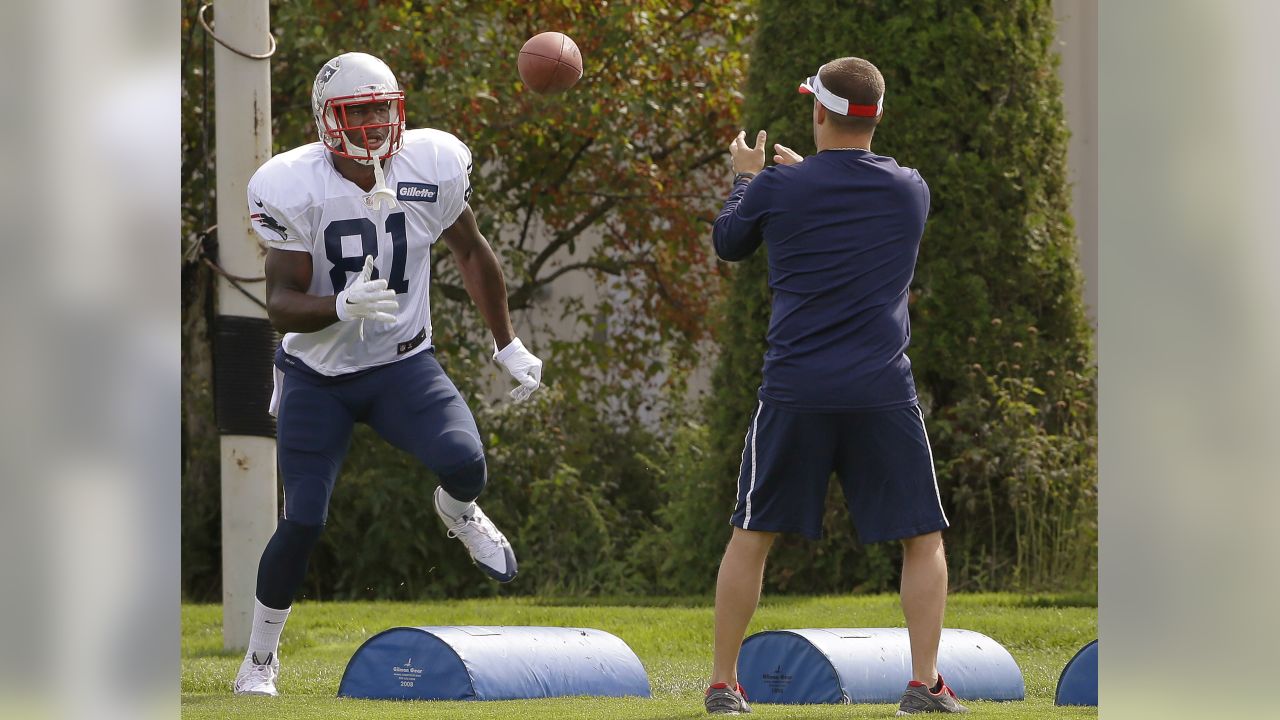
784	155
747	159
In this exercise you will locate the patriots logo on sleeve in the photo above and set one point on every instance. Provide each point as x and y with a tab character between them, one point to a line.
270	223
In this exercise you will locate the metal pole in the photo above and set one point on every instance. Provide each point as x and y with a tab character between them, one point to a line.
243	116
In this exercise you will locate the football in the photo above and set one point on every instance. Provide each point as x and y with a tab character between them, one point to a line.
550	62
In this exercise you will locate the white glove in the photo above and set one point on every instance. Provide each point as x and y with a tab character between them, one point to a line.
522	365
367	299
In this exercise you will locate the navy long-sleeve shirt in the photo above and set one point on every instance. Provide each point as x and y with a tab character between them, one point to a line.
843	228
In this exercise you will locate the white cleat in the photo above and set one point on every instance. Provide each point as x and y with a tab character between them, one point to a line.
488	546
257	678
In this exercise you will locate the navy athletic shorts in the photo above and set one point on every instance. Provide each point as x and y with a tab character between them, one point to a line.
411	403
882	458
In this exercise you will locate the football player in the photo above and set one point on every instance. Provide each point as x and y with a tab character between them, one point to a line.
349	222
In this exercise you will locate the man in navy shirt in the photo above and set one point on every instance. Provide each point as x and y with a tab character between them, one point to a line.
842	228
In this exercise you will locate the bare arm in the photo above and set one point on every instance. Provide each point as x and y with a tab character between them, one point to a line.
289	306
481	274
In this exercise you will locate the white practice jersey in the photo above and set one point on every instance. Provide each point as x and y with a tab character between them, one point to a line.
299	202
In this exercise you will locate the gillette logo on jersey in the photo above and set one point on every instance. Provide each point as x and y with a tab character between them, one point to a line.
422	192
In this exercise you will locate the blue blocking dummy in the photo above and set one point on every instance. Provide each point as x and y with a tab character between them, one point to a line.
1079	682
492	663
869	665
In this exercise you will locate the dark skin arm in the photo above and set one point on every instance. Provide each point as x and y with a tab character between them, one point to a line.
289	306
481	274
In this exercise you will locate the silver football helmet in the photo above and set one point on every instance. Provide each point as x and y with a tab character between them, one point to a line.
358	79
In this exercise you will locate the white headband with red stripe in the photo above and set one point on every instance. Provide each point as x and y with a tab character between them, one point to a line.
835	103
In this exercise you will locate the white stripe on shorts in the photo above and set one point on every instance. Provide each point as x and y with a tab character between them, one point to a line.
746	521
931	468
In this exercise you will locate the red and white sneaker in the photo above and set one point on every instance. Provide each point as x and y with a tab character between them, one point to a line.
920	699
724	700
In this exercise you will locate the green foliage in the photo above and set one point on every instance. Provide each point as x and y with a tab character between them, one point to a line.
681	555
1026	487
569	532
702	498
973	102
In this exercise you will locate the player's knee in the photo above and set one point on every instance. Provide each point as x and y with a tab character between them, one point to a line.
466	481
454	448
458	458
293	539
284	562
299	533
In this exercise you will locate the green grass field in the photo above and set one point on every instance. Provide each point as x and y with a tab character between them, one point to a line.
671	637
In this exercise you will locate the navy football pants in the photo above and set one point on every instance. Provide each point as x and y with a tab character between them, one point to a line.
411	403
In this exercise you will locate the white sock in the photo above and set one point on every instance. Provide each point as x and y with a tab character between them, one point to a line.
267	624
452	507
